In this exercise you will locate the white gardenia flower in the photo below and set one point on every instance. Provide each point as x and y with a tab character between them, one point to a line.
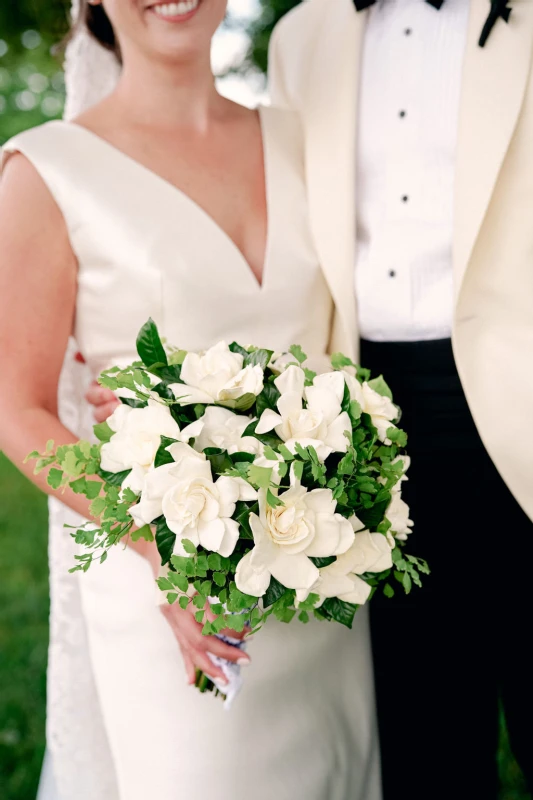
398	515
321	424
370	552
381	409
222	428
286	536
215	376
194	505
137	439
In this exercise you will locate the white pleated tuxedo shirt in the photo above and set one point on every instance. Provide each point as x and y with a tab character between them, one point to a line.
407	136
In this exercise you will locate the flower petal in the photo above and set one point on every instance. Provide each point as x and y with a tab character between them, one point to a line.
324	401
268	421
231	537
359	594
211	534
321	501
291	380
294	571
335	437
333	382
250	579
186	395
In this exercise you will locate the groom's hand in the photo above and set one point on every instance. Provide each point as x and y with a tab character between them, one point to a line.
103	400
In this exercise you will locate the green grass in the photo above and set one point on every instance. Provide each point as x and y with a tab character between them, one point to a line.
24	640
23	633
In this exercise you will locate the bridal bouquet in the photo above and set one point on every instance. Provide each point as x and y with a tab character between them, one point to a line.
269	489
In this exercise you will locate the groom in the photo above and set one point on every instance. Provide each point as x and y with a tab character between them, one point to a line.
418	124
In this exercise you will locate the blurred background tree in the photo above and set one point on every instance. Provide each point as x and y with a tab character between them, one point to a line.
31	79
260	30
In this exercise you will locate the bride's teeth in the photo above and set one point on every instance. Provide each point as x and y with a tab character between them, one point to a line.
176	9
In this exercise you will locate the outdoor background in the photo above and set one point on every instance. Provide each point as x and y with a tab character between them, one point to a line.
31	92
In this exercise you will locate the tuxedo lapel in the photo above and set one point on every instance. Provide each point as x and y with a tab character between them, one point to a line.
331	111
494	83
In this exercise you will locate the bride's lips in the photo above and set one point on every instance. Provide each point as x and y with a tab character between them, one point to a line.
180	11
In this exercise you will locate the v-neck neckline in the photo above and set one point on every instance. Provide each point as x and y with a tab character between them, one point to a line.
259	285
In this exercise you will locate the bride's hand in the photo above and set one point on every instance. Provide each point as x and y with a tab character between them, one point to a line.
103	400
195	647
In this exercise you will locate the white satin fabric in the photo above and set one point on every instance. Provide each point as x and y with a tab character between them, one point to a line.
123	724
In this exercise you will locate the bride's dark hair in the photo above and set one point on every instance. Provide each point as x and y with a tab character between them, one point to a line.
95	19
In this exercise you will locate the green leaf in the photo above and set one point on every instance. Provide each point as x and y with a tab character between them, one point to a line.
103	432
199	616
55	477
114	478
298	469
149	346
296	351
354	410
163	456
388	590
340	361
397	436
219	578
93	489
285	453
242	403
184	602
407	583
213	561
219	459
380	386
236	348
178	580
260	476
272	500
322	561
165	540
79	486
267	399
97	506
172	597
142	533
164	584
258	357
189	547
340	611
302	451
273	593
303	616
199	600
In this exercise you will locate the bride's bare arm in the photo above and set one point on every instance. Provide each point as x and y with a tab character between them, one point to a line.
37	305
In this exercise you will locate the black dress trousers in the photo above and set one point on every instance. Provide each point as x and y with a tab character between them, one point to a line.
446	654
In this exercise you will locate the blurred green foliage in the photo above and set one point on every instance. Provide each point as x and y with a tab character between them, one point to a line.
260	29
31	79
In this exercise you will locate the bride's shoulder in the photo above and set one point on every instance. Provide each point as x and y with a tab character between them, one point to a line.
35	143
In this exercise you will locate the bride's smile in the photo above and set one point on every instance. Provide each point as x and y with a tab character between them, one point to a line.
179	12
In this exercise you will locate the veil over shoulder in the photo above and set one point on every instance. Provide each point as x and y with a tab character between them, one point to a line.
75	732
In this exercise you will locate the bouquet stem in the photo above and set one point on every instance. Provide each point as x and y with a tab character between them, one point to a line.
204	684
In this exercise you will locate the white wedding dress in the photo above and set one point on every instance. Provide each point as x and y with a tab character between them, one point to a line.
123	724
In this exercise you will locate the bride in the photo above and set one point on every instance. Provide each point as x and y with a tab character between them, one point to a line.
166	200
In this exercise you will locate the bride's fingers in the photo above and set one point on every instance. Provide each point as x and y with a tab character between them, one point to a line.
98	395
190	669
203	661
224	650
101	413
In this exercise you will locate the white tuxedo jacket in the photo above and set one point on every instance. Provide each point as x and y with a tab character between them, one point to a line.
314	66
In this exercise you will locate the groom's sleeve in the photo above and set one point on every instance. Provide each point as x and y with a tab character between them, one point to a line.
277	87
289	45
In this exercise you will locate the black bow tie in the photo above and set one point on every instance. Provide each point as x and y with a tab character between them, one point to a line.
362	4
499	8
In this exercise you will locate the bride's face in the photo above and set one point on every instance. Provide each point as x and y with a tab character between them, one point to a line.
179	30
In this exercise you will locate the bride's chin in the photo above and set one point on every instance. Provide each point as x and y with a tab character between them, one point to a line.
174	13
